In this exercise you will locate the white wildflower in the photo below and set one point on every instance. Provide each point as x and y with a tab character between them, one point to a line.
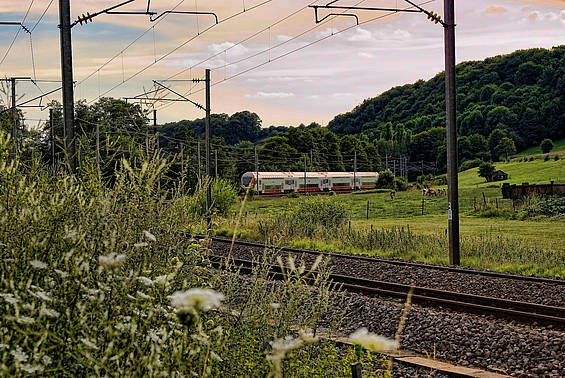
290	262
4	346
49	312
112	260
317	262
371	341
19	355
307	336
197	299
215	356
142	295
28	306
161	280
42	295
46	360
280	348
9	298
88	343
62	273
275	305
154	336
71	234
149	235
26	320
144	280
139	245
38	264
30	369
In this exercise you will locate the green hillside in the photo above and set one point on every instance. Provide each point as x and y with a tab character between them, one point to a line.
536	150
534	172
521	94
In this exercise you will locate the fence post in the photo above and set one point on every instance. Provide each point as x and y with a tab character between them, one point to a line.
496	203
423	201
484	200
367	209
356	371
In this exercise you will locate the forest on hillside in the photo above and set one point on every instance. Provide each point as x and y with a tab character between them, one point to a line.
505	104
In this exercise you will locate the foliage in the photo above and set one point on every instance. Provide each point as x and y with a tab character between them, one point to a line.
505	147
224	196
486	170
470	164
400	184
546	145
521	94
545	206
385	179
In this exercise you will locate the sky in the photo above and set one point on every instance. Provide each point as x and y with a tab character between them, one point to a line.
266	56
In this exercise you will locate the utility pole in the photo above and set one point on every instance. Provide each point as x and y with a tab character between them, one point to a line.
451	109
52	138
182	167
15	119
311	161
355	170
216	162
394	166
386	161
208	186
98	148
256	168
305	184
67	77
199	164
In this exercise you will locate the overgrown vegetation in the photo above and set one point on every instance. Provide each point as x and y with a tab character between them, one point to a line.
96	279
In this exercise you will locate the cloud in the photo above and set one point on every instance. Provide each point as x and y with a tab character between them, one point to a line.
270	95
232	49
361	35
493	9
342	94
283	38
366	55
533	16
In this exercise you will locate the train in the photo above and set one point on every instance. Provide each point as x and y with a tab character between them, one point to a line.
277	183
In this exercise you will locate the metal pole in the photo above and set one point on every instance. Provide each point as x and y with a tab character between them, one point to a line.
15	119
216	162
305	184
311	161
450	105
67	77
208	186
256	168
98	148
157	146
199	164
52	137
355	170
182	166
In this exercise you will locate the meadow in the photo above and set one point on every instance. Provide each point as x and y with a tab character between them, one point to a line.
493	234
558	149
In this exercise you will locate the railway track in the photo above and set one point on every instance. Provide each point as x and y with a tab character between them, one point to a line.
523	311
405	263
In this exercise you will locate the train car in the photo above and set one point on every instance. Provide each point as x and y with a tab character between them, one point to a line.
276	183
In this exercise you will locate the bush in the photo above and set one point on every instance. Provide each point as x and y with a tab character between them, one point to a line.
556	157
386	179
532	158
400	184
224	196
468	164
546	158
543	206
546	145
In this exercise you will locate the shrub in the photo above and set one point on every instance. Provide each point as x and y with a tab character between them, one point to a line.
546	145
468	164
386	179
532	158
400	184
224	196
546	158
556	157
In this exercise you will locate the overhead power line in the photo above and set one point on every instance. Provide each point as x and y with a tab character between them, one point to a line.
17	32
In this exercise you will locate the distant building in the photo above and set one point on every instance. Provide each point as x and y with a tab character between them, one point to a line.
499	176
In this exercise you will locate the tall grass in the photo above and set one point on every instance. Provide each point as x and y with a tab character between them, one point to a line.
96	279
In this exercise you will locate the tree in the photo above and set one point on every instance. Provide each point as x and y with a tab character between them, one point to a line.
505	147
486	170
546	145
493	140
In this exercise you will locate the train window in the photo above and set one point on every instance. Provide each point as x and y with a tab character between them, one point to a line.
273	187
289	182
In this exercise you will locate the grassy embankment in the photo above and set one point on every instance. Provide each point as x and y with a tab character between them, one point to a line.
498	243
536	151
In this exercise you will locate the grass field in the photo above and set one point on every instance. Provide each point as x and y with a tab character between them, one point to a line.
559	148
534	172
497	242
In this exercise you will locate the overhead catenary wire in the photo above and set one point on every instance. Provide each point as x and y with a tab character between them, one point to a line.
17	33
177	48
273	59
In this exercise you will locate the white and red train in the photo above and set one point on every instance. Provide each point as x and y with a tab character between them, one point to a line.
288	182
